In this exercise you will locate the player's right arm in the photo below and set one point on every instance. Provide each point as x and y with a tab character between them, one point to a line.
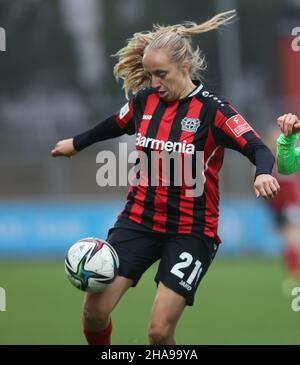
112	127
288	155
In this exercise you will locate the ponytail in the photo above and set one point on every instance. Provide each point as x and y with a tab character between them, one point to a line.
175	39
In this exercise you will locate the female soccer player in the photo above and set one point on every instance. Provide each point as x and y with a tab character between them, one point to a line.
288	156
170	112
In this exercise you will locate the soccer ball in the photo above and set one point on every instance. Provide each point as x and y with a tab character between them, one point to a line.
91	264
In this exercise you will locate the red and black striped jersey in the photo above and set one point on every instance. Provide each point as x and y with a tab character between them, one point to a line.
199	123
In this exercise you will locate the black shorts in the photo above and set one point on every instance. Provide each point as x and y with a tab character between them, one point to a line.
184	259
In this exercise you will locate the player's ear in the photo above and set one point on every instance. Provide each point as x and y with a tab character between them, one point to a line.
185	66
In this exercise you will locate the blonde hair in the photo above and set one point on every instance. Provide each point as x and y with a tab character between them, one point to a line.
176	39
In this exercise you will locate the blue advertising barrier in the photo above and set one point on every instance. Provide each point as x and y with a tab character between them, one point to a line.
50	228
248	227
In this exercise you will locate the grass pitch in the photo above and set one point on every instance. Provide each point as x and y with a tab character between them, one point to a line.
239	301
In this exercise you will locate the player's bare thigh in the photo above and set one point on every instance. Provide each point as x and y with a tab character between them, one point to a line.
166	311
98	306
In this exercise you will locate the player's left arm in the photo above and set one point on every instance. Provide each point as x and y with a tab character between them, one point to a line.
288	155
233	131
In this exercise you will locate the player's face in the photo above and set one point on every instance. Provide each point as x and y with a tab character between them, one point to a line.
169	78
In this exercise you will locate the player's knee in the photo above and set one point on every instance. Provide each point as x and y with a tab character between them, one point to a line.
159	333
95	318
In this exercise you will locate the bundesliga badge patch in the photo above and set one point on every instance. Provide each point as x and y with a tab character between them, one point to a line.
190	124
238	125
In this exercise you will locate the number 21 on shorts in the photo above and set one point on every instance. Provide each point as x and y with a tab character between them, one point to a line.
187	260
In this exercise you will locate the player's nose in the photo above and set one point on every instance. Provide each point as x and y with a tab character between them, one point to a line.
155	82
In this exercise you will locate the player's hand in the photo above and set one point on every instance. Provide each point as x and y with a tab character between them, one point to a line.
266	186
289	124
64	148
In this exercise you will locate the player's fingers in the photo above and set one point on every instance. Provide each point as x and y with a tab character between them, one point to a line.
58	153
256	192
284	126
294	124
55	152
265	189
280	120
291	123
275	189
288	124
282	123
297	124
59	150
276	184
262	192
269	194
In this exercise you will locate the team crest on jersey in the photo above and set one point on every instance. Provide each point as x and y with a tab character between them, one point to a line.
190	124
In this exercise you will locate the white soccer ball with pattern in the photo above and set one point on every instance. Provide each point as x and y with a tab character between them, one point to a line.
91	264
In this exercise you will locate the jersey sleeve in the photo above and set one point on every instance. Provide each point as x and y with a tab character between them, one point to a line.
231	130
115	126
288	155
